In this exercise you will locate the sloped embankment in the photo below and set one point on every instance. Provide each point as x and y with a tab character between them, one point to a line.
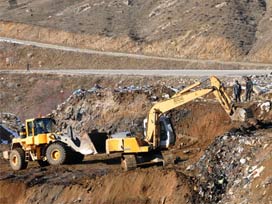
222	30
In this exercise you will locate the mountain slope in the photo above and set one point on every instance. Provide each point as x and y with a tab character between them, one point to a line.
218	29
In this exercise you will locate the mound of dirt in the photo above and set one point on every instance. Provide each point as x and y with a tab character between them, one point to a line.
140	186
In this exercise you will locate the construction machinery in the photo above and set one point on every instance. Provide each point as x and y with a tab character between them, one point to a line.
39	142
158	131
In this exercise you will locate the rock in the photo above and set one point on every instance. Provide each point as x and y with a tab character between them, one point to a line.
30	55
266	106
83	8
18	98
221	5
165	96
242	161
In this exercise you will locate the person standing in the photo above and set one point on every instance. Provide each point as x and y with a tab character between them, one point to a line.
28	66
249	88
237	91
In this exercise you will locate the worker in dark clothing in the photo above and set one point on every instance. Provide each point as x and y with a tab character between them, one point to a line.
249	88
237	89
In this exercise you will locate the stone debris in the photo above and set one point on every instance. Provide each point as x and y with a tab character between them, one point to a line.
226	164
262	83
9	127
266	106
132	88
83	8
221	5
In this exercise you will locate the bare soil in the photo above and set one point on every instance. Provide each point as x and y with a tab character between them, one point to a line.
99	179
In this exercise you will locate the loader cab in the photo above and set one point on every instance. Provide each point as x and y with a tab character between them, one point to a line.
37	130
39	126
43	126
167	134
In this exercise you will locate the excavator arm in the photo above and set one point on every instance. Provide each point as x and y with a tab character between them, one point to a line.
184	96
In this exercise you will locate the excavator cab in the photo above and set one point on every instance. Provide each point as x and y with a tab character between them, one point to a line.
167	134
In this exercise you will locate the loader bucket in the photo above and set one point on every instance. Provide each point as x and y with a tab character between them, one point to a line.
81	144
86	145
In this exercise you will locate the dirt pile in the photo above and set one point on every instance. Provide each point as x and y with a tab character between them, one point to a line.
139	186
26	93
104	110
225	30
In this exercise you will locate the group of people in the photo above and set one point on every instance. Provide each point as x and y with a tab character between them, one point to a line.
237	90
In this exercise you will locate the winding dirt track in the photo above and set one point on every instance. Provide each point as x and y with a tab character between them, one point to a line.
137	56
127	72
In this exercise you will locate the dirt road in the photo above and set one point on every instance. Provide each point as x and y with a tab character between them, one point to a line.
186	72
134	56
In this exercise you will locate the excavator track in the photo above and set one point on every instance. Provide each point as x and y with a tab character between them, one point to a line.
128	162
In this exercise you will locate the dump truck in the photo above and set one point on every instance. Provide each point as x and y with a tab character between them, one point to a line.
39	141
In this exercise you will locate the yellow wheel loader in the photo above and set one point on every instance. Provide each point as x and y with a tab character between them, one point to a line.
39	142
158	131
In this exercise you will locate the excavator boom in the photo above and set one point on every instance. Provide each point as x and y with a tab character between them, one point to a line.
184	96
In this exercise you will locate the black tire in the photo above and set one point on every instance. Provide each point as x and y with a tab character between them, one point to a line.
17	159
56	153
43	163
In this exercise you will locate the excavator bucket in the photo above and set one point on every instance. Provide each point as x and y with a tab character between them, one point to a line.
235	113
240	114
81	144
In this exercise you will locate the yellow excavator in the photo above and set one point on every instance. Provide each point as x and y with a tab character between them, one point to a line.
158	131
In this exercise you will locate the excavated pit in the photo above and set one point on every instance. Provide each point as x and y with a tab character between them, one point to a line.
214	153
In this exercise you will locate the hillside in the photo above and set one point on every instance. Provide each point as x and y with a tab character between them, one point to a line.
228	30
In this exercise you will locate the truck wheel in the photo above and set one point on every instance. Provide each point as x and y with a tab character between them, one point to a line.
56	154
128	162
17	159
43	163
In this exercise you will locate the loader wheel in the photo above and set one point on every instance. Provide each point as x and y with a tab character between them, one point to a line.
56	154
17	159
128	162
43	163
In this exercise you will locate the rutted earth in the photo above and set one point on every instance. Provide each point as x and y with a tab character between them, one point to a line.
220	161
